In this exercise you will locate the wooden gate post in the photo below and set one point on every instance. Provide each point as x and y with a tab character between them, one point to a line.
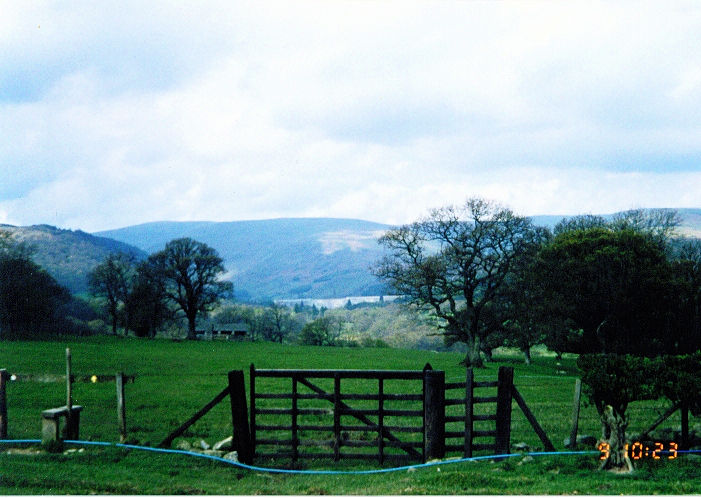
434	414
503	437
4	376
575	413
121	408
469	380
239	417
69	396
252	425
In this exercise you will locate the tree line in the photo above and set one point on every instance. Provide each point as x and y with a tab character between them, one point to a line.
186	276
624	294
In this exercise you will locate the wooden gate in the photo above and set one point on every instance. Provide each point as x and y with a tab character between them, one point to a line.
349	414
494	425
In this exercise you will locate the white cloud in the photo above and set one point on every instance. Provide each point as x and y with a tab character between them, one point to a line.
120	113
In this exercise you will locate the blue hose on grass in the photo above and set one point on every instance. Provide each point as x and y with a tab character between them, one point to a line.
315	472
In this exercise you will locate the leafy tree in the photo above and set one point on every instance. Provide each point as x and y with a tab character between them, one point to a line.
685	324
614	287
455	263
318	332
612	382
148	301
192	271
277	323
523	302
31	301
111	280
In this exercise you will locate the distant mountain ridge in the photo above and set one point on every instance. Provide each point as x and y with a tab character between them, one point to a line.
285	258
280	258
68	255
690	220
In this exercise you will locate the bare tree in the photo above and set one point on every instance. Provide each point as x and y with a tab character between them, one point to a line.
455	263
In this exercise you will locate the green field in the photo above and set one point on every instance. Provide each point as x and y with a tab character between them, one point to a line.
175	379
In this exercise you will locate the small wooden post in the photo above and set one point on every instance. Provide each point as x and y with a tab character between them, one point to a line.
239	417
503	437
295	435
4	376
336	417
434	414
575	412
381	420
684	410
252	380
469	379
121	408
69	393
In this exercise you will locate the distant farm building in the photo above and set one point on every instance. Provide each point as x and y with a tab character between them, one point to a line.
227	331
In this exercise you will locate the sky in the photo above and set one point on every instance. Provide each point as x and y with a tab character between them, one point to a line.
116	113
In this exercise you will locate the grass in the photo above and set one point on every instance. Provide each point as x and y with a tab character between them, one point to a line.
175	379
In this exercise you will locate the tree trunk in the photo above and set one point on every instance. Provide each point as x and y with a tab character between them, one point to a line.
126	323
473	357
191	326
527	354
613	427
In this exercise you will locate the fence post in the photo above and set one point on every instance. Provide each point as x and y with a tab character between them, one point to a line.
336	417
252	380
239	417
121	407
381	419
575	413
295	437
69	395
684	410
503	437
469	379
434	414
4	376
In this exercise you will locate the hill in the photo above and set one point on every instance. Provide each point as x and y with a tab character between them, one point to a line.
690	221
294	258
68	255
280	258
289	258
